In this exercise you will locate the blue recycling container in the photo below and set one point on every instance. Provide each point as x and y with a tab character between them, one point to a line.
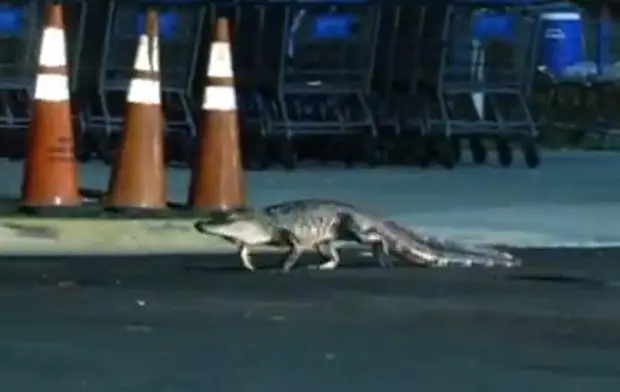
603	53
562	41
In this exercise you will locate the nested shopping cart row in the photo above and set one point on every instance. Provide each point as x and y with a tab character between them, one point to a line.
355	81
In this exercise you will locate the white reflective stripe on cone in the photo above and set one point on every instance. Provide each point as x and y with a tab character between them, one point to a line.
220	61
144	91
53	52
219	98
142	57
52	88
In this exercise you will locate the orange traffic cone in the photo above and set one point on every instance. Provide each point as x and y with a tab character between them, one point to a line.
217	175
138	178
51	172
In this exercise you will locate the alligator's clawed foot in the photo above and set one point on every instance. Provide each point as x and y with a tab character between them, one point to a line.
515	263
326	266
385	261
284	270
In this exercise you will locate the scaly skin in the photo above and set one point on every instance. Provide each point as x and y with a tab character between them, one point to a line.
316	224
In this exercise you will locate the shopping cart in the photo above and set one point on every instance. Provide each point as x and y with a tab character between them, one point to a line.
476	83
20	38
180	33
327	60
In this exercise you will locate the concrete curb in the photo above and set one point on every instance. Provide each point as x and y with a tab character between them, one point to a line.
28	236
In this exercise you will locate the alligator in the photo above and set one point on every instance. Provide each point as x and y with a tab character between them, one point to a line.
318	224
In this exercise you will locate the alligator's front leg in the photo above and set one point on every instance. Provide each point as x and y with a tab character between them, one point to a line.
328	251
246	258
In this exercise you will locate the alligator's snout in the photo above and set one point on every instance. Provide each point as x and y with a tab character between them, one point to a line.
202	227
247	231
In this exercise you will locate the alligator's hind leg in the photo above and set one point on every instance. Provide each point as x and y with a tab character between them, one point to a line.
328	251
381	252
378	245
292	257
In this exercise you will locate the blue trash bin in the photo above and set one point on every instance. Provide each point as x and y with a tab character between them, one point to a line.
563	44
603	53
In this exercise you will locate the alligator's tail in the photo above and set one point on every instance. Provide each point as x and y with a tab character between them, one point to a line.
406	245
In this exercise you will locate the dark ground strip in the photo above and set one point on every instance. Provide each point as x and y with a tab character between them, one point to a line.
200	323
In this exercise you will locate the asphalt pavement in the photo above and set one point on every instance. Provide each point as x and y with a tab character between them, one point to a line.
200	323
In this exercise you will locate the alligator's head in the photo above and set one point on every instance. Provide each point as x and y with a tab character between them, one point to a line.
246	227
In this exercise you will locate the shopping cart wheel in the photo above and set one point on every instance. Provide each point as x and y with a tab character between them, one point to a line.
323	152
478	150
107	157
83	147
107	149
370	151
349	151
169	155
264	162
504	152
16	146
409	151
189	151
446	155
255	155
82	154
288	154
424	151
16	150
402	154
456	147
387	152
260	156
173	147
531	152
349	161
15	156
